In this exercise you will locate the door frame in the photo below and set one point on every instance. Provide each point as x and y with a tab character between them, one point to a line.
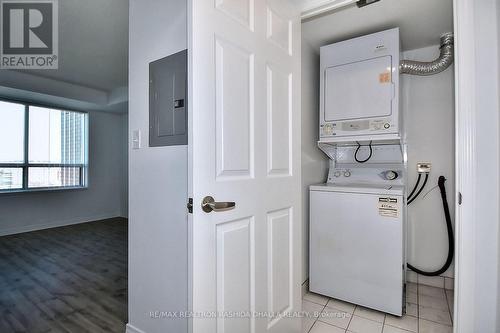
464	168
476	130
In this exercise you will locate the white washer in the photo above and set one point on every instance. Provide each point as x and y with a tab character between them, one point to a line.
356	244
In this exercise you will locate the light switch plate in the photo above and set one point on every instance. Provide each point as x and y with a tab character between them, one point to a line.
136	139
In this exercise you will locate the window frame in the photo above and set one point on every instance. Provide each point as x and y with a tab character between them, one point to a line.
26	165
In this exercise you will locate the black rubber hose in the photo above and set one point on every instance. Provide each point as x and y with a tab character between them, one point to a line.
410	200
369	156
416	186
451	241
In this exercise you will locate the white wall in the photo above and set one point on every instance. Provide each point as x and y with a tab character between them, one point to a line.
314	162
157	179
103	199
428	103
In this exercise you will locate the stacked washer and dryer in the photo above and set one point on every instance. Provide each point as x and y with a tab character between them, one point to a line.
358	218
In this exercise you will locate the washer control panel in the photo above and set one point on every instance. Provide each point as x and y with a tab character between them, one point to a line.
365	175
339	173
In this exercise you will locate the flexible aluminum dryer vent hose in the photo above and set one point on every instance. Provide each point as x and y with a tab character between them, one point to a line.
429	68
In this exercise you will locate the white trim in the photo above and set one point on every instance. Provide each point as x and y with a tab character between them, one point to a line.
50	225
465	165
132	329
190	181
321	7
305	287
477	164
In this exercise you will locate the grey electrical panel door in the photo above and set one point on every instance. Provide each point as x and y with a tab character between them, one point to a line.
168	101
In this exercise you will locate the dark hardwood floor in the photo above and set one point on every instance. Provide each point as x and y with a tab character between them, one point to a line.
67	279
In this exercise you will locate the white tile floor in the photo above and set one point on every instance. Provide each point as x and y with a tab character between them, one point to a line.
429	310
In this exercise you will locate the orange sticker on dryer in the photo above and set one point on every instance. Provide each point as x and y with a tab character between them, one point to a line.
384	77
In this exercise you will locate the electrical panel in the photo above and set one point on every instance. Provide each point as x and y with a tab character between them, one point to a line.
168	101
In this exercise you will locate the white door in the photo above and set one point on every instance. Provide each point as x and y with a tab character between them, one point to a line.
245	148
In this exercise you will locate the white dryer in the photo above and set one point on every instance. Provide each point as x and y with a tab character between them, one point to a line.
359	88
357	244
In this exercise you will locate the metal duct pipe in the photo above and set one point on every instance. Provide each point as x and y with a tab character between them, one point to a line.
429	68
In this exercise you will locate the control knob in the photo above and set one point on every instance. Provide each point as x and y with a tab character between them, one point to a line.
391	175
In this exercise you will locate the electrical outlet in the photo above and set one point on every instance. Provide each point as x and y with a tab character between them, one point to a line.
423	167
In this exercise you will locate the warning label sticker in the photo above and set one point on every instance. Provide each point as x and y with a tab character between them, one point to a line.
388	207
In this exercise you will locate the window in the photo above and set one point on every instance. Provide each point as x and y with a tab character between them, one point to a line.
42	148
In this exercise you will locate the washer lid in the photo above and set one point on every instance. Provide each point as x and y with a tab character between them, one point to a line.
360	188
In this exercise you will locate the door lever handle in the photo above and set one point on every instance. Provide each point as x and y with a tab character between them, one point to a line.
209	204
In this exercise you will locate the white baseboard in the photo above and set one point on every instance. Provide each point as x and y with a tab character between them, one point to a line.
305	287
132	329
55	224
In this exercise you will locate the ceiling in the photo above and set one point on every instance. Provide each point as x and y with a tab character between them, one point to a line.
93	44
421	22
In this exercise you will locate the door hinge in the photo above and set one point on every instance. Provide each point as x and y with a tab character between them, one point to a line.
459	198
190	205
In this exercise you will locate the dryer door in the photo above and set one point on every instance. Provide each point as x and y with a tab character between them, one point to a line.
359	90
